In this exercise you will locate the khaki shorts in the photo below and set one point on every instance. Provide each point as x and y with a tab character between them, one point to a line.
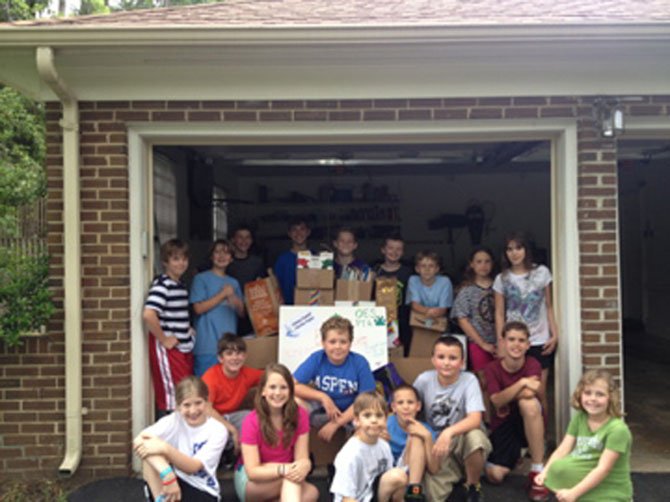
452	470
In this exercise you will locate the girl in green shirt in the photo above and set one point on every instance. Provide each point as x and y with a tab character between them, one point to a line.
592	463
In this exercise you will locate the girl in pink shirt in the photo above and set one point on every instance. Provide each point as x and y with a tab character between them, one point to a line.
275	444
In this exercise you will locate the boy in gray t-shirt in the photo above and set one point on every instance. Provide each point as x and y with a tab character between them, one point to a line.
453	405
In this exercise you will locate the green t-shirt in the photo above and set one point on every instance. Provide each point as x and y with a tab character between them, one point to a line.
568	471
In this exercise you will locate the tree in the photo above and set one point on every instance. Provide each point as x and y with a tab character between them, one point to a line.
25	302
15	10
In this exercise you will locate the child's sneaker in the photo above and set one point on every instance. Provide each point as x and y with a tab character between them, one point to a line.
536	492
474	493
414	493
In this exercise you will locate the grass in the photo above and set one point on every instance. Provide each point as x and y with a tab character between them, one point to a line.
33	491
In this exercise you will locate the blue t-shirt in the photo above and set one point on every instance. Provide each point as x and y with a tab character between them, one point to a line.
341	383
285	271
211	326
398	436
439	294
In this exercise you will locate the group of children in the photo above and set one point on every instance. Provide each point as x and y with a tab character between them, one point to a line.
511	334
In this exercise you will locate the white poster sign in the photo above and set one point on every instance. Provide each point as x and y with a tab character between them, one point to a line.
300	332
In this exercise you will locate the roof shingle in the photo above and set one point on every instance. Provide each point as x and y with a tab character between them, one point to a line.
306	13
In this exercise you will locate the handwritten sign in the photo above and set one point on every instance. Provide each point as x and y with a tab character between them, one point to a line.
300	332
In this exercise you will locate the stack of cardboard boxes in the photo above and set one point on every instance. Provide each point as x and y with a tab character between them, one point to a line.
315	278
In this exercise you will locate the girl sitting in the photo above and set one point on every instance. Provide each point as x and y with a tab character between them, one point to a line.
592	463
275	444
181	451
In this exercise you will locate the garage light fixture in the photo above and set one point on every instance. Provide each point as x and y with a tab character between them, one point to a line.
609	116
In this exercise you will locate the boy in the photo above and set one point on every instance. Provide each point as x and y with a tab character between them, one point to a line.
338	376
166	317
229	383
285	266
513	382
428	293
411	441
246	267
392	250
345	244
364	466
453	405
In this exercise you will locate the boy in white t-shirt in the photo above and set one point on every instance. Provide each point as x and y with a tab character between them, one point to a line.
364	466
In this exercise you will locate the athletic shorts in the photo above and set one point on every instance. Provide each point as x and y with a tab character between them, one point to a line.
545	361
507	441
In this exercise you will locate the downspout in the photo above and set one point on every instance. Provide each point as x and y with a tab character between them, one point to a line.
72	259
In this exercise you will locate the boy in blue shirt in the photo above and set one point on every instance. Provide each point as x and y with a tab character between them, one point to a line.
285	266
411	440
428	293
337	376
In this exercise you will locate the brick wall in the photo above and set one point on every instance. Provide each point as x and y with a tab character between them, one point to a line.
32	376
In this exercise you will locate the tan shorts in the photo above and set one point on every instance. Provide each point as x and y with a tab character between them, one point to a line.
439	485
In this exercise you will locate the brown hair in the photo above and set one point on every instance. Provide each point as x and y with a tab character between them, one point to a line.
430	255
516	326
469	274
406	386
337	323
347	230
190	386
448	341
522	240
289	411
173	247
220	242
589	378
369	400
231	341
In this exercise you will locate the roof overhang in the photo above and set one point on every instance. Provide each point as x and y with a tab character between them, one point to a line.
182	63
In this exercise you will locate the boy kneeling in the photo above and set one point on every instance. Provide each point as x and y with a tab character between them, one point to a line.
411	441
364	466
513	382
452	400
337	374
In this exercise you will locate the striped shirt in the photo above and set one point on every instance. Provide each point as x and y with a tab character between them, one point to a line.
169	299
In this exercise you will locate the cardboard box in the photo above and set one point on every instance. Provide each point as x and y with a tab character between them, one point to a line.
311	278
263	298
353	291
324	453
386	295
262	351
411	367
314	297
438	324
423	340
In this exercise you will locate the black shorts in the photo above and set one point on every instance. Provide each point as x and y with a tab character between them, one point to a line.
545	361
507	441
188	493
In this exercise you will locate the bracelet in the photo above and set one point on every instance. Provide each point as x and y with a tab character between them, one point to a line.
169	482
166	472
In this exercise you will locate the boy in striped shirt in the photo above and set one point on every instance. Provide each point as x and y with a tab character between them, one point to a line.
166	317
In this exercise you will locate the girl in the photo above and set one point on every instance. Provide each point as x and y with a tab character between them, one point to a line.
217	300
473	309
181	451
592	463
275	444
523	293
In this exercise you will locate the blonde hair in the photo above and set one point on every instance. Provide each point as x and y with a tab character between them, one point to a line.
589	378
191	386
337	323
369	400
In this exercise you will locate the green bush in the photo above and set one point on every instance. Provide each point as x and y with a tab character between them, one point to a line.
25	301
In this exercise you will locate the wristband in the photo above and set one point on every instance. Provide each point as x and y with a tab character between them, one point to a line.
169	482
166	472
